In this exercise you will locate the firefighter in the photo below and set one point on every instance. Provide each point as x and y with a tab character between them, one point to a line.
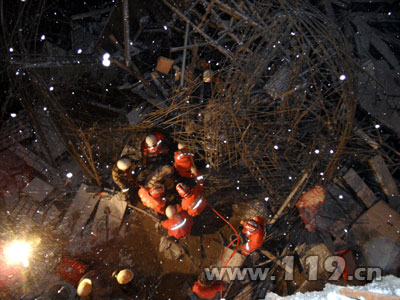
122	176
183	161
154	146
208	289
254	230
153	198
179	223
192	199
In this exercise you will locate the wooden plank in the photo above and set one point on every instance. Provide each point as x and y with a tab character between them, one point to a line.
107	221
385	180
79	212
376	232
367	295
367	138
363	192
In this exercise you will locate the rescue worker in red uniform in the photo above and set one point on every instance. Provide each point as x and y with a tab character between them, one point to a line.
254	230
192	199
153	198
183	161
206	289
153	146
179	223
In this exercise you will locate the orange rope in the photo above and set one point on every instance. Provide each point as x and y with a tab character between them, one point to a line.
235	240
133	180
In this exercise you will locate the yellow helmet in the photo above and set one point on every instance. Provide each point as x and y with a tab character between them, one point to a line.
124	276
151	140
124	164
84	288
170	211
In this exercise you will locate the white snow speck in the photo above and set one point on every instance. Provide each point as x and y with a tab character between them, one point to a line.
316	151
342	77
377	126
13	115
11	49
79	51
51	88
165	27
106	59
42	37
69	175
340	196
276	147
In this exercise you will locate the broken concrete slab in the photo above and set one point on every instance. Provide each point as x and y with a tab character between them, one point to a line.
385	180
363	192
338	212
38	164
170	249
379	106
377	234
79	212
107	220
14	131
51	133
52	216
38	190
312	258
136	115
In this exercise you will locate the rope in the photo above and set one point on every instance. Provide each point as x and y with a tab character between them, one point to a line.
237	240
134	181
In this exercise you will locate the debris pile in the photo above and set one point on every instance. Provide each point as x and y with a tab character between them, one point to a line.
262	135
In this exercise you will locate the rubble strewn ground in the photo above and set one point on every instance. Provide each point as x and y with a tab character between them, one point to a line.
291	109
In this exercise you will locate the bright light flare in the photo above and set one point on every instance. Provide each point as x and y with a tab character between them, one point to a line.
18	252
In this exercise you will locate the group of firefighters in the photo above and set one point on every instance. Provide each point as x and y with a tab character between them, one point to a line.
156	186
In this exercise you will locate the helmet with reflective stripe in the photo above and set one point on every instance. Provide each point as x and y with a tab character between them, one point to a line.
151	140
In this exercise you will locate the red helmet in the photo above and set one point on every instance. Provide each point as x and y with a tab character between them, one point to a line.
182	189
157	191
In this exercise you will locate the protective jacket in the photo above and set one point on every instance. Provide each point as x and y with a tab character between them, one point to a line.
179	225
121	178
208	292
158	149
254	230
152	198
183	162
194	203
